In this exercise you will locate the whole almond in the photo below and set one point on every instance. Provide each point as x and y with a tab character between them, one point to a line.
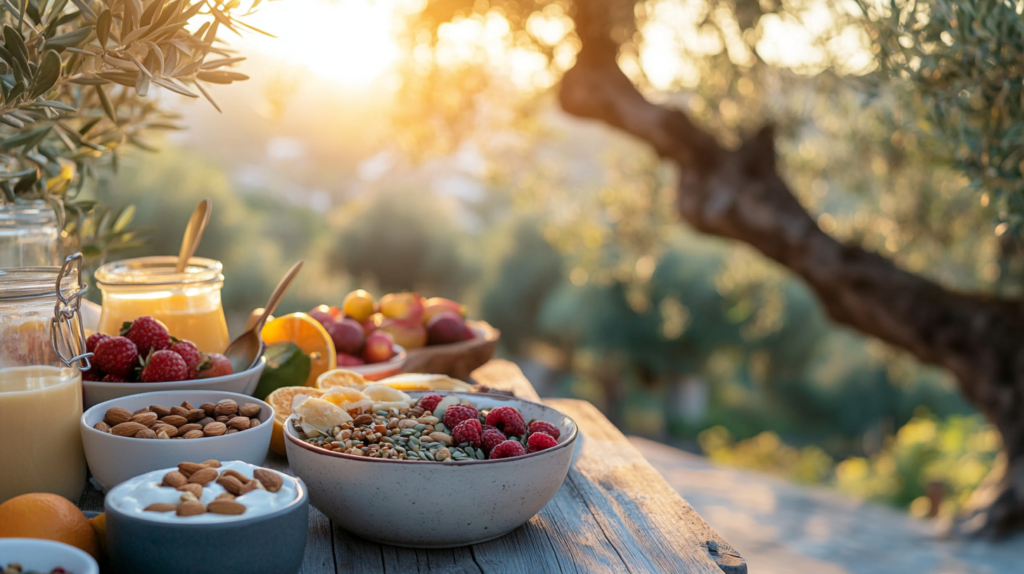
196	415
187	468
224	506
241	477
203	476
214	429
180	411
191	508
187	405
231	431
101	426
251	486
174	420
159	410
226	407
193	434
189	427
116	416
270	479
254	422
161	507
208	408
140	411
212	463
222	418
225	496
196	490
240	423
174	479
145	433
230	484
164	427
127	428
146	418
249	410
204	421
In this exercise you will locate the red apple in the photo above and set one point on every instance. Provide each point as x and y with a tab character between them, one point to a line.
370	325
436	305
346	360
347	335
322	313
380	347
408	333
402	306
445	327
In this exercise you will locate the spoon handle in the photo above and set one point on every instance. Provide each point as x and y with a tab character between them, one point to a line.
193	233
275	297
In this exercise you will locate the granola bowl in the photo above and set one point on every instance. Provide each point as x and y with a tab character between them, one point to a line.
464	501
45	556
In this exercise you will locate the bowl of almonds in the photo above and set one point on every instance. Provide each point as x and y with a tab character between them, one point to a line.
209	517
133	435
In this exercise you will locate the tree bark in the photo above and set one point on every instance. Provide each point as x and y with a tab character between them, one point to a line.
739	194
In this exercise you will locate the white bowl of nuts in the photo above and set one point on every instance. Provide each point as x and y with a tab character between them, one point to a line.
132	435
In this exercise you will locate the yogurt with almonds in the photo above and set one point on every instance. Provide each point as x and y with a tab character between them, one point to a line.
133	496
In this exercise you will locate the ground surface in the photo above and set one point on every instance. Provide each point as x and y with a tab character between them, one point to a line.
784	528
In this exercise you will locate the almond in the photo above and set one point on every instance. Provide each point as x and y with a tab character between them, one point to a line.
145	433
225	496
249	410
164	427
174	479
209	409
193	434
195	415
224	506
270	479
187	405
127	428
146	418
241	477
254	422
191	508
204	421
212	463
240	423
222	418
159	410
231	431
187	468
226	407
230	484
180	411
101	426
251	486
162	435
116	416
214	429
365	420
189	427
196	490
174	420
140	411
203	476
161	507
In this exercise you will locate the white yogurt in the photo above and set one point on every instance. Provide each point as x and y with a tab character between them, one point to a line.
132	496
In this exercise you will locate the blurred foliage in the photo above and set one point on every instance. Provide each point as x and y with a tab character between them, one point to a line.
765	452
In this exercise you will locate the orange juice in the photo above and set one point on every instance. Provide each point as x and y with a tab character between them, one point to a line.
188	302
41	446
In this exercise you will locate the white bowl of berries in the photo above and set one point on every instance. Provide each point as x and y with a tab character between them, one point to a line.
484	467
148	358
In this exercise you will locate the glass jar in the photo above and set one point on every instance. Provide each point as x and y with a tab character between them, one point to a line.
40	383
29	234
188	303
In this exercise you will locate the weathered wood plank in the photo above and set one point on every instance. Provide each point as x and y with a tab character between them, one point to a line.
503	375
319	557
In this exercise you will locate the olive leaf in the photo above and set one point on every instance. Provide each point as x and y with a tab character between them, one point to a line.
47	75
70	39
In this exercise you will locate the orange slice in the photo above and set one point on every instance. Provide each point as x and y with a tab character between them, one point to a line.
281	399
341	378
309	335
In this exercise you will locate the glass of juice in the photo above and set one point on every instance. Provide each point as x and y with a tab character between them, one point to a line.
188	303
40	395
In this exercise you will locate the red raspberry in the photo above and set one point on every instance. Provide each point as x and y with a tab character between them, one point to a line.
116	356
508	449
92	374
491	438
540	441
147	333
507	420
93	340
467	431
455	414
546	428
164	366
114	379
190	354
215	365
429	402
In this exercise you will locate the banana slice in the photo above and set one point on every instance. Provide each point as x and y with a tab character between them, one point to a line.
425	382
385	398
320	415
348	398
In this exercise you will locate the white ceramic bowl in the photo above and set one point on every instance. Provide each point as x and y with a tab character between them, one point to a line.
464	502
378	371
45	555
114	459
96	392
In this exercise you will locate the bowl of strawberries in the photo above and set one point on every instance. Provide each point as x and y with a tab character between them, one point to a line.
146	357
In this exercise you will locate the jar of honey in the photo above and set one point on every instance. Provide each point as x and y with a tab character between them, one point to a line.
188	303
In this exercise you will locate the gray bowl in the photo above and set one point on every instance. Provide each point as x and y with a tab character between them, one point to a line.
272	543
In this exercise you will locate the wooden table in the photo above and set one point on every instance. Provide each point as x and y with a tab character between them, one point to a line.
614	513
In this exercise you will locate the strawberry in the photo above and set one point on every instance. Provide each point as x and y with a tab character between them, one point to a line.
190	354
215	365
164	366
148	334
92	374
116	356
114	379
93	340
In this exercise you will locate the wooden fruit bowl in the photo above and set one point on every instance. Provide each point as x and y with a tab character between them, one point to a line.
456	360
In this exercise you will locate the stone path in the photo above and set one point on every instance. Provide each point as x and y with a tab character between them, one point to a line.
785	528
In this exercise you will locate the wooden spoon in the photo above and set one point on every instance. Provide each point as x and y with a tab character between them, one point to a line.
193	233
245	351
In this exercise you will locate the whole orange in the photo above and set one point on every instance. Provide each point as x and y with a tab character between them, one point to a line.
47	516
